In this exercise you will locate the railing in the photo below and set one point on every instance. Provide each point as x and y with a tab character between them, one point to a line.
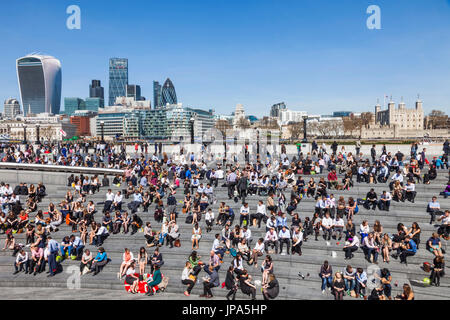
56	168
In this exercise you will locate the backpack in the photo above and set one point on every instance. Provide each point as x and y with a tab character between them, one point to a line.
189	219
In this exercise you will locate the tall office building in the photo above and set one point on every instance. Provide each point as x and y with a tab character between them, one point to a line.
12	108
168	94
156	94
118	79
134	91
40	81
96	90
73	104
275	109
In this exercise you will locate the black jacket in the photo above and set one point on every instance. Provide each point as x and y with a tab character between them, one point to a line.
229	280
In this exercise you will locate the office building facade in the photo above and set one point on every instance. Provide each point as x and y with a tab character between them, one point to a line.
40	82
156	94
96	90
118	78
73	104
134	91
11	108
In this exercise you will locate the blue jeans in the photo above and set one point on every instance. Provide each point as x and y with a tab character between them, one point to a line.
52	262
350	284
370	251
162	236
326	280
75	251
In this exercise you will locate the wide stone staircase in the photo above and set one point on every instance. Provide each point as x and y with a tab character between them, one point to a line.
286	267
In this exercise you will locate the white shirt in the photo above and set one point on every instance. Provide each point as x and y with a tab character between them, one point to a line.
259	247
271	236
102	230
219	174
364	229
118	198
186	273
355	241
248	234
209	216
284	234
22	257
261	209
216	244
327	222
109	196
244	209
338	223
297	237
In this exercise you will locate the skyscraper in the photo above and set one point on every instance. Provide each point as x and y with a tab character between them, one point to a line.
96	90
134	91
156	94
168	94
118	78
275	110
40	82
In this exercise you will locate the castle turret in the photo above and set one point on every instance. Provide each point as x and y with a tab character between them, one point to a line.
391	110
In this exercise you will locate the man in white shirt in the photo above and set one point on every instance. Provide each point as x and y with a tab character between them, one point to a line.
396	177
327	226
410	191
271	239
109	200
247	235
245	214
258	251
434	208
117	202
101	235
209	219
76	246
219	173
284	236
338	226
259	215
21	262
385	201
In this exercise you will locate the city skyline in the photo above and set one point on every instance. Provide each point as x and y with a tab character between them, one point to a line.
315	57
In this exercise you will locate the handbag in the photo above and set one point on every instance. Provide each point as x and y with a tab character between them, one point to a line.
177	243
192	277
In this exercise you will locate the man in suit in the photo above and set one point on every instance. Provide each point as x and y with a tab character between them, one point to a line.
242	187
210	283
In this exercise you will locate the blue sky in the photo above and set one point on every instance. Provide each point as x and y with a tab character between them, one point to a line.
315	55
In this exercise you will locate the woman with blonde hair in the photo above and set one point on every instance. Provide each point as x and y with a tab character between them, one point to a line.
386	247
338	286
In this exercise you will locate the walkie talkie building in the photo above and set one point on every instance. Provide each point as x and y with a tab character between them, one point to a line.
40	82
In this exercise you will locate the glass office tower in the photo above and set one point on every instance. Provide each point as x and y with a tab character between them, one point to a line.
118	79
156	95
134	91
168	94
40	81
96	90
73	104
